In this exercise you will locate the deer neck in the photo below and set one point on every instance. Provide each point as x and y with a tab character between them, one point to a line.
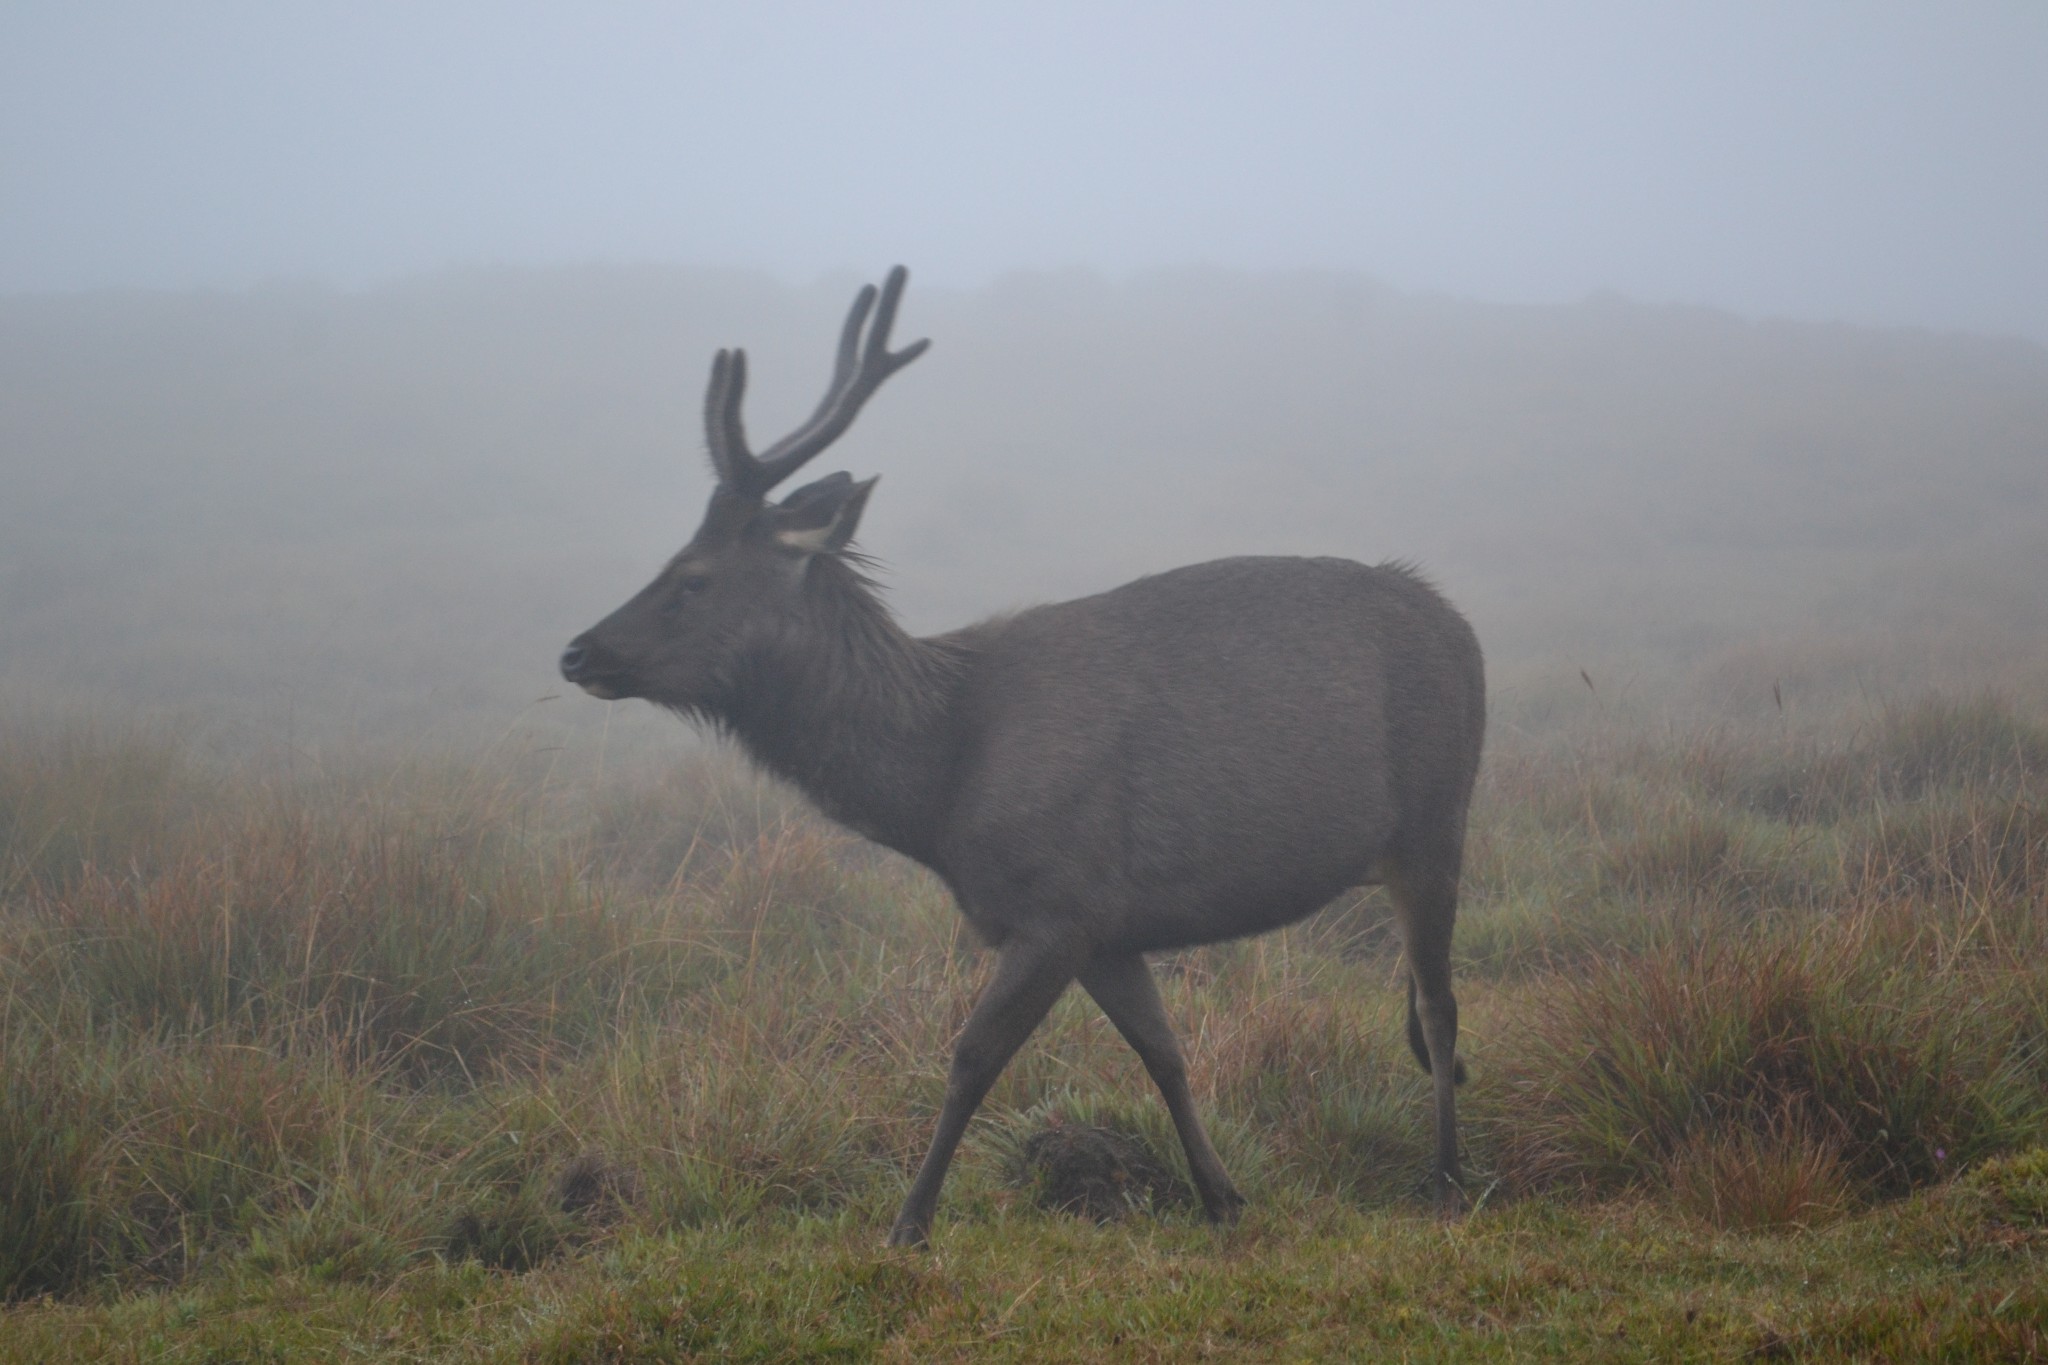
854	711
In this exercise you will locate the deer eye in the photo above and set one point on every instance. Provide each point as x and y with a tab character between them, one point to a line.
694	583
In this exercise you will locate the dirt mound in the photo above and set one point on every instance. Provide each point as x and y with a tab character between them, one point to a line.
1096	1172
596	1189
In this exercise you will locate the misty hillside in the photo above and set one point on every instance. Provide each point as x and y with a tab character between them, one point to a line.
296	507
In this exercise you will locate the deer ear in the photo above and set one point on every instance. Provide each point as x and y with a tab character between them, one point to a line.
821	517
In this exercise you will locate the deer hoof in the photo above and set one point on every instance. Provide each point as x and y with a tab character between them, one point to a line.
1225	1209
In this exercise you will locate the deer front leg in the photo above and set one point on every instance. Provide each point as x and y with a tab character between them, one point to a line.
1029	977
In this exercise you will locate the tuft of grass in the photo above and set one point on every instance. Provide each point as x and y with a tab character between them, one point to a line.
1904	1072
1967	847
1905	753
395	945
146	1159
83	793
1939	743
695	819
1327	1080
2013	1188
1757	1178
52	1122
1706	856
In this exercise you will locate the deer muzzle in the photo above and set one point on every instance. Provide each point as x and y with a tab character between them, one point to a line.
582	664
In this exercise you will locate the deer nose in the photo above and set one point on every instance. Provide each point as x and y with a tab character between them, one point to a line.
573	660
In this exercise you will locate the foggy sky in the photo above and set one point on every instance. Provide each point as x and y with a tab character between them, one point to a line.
1859	161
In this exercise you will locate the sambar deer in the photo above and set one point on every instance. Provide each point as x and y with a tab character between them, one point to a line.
1199	755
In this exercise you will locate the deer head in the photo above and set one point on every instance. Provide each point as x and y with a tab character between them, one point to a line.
680	640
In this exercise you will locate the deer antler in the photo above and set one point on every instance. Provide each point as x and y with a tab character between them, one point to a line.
857	372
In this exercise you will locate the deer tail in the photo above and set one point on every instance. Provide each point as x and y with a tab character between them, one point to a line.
1419	1046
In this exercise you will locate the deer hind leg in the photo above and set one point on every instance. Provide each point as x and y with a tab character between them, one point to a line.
1028	979
1124	987
1425	905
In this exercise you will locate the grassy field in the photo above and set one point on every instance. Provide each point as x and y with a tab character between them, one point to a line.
473	1057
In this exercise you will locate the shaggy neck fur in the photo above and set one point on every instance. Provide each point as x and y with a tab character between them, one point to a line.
852	709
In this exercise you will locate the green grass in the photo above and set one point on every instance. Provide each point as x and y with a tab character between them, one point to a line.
1942	1275
450	1060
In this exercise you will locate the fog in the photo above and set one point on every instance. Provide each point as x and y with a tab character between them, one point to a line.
299	505
350	361
1875	162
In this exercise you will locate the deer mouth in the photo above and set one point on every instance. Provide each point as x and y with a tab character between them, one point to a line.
581	665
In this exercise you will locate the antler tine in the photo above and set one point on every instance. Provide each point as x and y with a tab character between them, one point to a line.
724	433
730	462
849	351
735	430
859	371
